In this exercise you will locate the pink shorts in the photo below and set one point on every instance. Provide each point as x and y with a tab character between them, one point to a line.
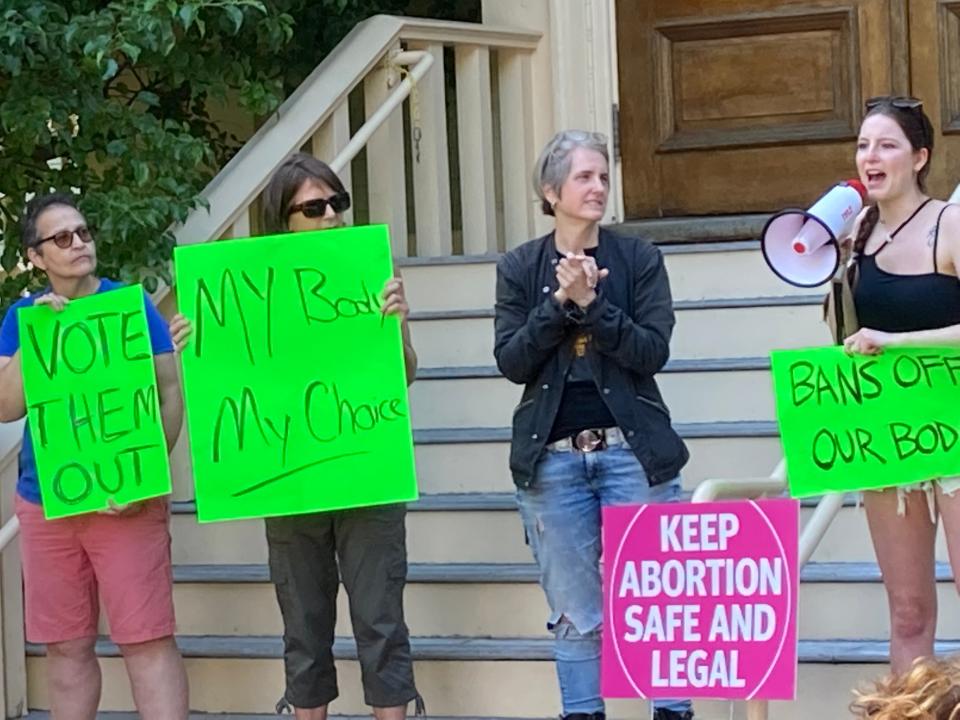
68	562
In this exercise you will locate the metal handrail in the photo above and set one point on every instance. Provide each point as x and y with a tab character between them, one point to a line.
816	527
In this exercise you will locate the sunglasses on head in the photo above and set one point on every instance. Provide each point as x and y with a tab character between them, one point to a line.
318	207
64	238
901	103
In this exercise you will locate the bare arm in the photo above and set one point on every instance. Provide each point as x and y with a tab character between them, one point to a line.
409	354
171	401
12	403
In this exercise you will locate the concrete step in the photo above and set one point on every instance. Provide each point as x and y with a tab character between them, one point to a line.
700	391
505	600
477	459
459	677
742	327
465	530
698	271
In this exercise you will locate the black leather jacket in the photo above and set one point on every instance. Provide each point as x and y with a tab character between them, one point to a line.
630	322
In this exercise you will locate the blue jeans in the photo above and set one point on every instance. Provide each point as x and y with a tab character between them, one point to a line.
561	516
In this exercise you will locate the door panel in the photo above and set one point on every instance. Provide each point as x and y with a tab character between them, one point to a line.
732	106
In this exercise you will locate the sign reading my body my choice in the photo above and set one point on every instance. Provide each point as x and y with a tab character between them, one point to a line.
92	403
855	422
700	600
294	381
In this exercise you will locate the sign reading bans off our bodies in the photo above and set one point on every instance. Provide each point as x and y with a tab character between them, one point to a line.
92	403
855	422
700	600
294	381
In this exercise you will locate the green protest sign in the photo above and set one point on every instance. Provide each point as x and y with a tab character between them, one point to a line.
294	381
92	404
857	422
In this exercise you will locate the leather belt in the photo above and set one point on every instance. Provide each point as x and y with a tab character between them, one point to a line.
589	440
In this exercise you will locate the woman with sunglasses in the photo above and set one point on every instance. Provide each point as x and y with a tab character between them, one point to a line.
310	554
907	246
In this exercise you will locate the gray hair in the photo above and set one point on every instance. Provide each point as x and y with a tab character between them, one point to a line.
553	165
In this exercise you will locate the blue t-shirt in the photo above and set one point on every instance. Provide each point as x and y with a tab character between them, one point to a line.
27	485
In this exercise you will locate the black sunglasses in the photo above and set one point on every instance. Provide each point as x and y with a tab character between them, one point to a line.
318	207
899	102
64	238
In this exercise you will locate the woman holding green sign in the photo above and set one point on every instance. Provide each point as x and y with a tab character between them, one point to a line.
117	558
907	249
309	554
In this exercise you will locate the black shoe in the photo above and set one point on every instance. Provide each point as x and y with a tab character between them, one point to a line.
664	714
584	716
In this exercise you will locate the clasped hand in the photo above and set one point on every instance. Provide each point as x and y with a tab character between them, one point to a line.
578	276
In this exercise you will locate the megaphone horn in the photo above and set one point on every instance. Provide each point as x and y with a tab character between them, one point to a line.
801	246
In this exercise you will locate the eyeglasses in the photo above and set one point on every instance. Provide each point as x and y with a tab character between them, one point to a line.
899	102
64	238
318	207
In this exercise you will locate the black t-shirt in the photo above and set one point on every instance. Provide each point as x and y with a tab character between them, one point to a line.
582	406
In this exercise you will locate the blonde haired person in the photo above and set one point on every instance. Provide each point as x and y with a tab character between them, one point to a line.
930	690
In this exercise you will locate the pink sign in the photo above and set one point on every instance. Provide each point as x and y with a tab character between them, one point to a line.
700	600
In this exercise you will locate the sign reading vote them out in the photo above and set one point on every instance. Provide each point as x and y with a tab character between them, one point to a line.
294	380
700	600
92	403
856	422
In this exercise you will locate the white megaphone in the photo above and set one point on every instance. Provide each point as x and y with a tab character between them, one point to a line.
801	246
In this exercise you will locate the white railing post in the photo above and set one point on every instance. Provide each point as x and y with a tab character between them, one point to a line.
475	138
386	175
516	145
329	140
431	165
13	667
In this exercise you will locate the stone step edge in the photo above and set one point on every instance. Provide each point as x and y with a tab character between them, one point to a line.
485	502
680	365
714	429
482	649
684	248
679	305
853	573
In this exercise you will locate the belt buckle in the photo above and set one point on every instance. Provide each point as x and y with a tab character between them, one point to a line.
588	441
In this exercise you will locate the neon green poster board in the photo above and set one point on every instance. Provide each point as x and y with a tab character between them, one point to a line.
294	381
861	422
92	403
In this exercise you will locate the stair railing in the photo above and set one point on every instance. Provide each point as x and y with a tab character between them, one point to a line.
813	531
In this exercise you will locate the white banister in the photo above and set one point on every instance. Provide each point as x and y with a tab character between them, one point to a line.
475	140
431	166
329	141
516	146
383	92
13	670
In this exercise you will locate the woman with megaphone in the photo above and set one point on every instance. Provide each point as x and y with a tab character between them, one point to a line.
906	247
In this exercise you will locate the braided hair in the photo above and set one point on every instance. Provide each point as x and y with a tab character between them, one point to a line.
919	131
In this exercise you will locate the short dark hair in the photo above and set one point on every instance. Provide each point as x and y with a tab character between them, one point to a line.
35	208
286	181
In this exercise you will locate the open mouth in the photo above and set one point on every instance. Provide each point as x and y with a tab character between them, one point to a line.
875	177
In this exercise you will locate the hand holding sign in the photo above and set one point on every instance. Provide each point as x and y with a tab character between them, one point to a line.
867	342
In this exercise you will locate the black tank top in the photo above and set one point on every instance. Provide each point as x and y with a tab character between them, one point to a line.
906	303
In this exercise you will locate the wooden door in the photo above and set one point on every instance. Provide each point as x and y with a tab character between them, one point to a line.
731	106
934	69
